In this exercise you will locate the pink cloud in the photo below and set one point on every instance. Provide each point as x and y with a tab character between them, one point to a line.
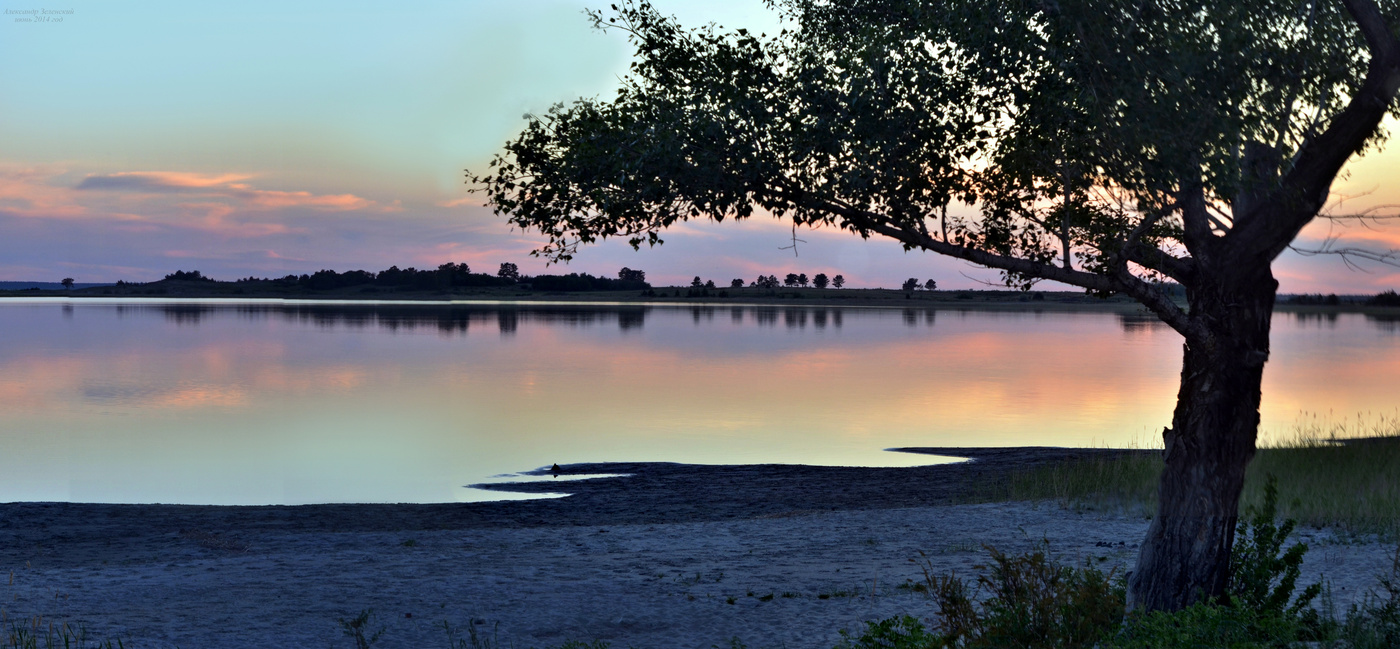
150	184
465	201
158	179
269	199
213	218
28	192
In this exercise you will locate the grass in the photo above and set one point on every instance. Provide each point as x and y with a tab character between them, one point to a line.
37	633
1338	475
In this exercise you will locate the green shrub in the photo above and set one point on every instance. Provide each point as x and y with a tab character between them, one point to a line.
1032	602
1259	609
902	632
1036	602
1263	574
1205	626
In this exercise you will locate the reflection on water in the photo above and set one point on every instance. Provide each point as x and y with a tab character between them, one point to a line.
1387	323
455	319
392	317
267	402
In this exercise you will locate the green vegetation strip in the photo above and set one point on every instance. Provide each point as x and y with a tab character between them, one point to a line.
1347	484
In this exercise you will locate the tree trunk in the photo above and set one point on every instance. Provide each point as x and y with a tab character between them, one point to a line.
1186	556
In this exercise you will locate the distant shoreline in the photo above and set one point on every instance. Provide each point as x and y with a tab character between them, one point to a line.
1055	301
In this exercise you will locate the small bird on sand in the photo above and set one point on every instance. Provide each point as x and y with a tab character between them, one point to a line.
556	470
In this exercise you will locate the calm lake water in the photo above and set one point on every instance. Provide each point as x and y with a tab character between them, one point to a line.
256	403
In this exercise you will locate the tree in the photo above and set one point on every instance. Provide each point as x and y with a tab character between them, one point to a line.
802	279
710	283
790	280
1111	145
629	275
508	271
838	281
190	276
820	281
67	282
768	281
931	285
736	283
696	283
911	284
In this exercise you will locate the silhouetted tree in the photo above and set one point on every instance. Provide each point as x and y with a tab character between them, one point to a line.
67	282
449	274
583	282
508	271
710	284
1107	145
629	275
820	281
931	285
767	281
1388	298
736	283
802	279
790	280
838	281
191	276
911	284
696	283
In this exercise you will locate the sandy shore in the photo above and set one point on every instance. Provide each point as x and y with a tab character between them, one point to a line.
673	556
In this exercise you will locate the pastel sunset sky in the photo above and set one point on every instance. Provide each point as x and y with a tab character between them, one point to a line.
262	138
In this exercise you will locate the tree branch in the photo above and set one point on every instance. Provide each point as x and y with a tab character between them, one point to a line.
1121	282
1195	220
1303	191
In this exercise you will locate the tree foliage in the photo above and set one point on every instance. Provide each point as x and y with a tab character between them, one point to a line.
187	276
766	281
1104	144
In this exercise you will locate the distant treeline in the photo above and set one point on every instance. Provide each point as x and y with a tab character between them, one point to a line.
1387	298
446	276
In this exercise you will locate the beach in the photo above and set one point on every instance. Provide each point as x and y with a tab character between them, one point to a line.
671	555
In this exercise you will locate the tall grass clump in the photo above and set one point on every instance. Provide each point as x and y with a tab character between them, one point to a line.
1126	480
36	633
1335	474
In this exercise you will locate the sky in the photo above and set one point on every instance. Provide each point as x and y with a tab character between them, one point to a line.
262	138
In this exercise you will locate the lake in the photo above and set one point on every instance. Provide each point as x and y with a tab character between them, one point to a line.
262	402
